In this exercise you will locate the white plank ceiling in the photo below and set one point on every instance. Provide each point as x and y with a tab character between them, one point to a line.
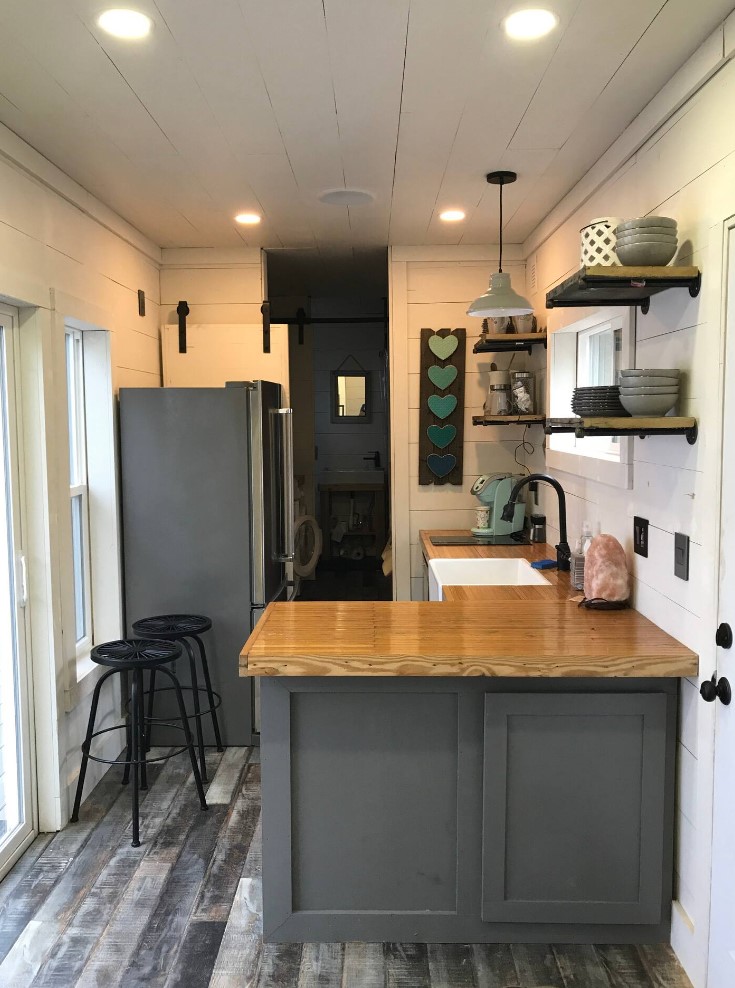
235	105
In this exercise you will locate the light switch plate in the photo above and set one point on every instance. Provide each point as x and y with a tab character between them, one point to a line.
640	536
681	556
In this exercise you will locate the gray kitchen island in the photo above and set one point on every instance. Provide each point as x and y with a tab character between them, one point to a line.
440	772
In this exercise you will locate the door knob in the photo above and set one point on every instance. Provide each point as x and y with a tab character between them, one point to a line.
712	690
723	636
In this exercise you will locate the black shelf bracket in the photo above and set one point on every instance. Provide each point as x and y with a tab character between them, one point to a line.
511	346
620	285
691	433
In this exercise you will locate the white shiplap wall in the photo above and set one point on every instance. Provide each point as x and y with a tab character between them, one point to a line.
223	286
432	287
685	170
64	254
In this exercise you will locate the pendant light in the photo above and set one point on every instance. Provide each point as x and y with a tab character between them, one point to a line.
500	299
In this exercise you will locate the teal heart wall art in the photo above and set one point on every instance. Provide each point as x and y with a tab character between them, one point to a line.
443	346
442	377
441	387
441	435
441	465
442	405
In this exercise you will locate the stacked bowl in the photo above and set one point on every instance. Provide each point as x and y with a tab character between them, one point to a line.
597	402
649	393
646	241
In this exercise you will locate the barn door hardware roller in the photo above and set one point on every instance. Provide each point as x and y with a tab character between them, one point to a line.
182	311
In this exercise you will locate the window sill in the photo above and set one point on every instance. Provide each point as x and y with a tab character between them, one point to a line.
84	666
86	675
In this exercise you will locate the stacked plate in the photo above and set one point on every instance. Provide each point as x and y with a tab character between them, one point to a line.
603	401
650	393
647	240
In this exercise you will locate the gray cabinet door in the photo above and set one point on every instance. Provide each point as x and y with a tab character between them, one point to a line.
573	807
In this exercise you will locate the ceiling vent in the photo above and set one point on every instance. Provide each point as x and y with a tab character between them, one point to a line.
346	197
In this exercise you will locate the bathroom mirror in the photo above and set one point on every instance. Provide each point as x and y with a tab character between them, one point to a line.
351	396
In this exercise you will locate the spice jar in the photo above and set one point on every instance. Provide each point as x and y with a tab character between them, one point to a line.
523	392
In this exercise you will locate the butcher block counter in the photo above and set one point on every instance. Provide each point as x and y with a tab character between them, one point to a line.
498	766
459	638
538	631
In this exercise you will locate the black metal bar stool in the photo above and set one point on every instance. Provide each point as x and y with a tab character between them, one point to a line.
184	628
135	656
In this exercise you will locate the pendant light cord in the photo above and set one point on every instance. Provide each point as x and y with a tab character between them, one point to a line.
500	259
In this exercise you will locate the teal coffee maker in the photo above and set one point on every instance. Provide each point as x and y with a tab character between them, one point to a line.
492	490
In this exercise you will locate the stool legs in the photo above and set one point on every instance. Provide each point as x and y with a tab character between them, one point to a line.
151	695
142	734
87	744
187	735
197	708
210	693
135	738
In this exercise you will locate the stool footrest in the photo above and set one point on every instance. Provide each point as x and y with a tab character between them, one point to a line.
184	689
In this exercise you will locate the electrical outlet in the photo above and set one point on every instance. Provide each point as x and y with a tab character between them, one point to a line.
681	556
640	536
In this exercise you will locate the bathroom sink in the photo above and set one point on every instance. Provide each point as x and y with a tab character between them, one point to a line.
481	572
352	477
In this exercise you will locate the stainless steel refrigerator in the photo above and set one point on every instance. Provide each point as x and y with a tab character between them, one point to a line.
207	513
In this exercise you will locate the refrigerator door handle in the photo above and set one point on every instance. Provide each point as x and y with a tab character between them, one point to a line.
286	551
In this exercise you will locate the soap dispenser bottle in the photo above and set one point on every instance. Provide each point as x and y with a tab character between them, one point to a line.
577	557
576	561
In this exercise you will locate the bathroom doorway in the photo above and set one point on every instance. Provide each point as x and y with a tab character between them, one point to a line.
338	355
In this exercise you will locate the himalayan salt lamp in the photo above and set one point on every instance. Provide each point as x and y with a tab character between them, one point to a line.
606	579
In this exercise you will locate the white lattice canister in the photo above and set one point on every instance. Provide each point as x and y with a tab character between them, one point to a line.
598	242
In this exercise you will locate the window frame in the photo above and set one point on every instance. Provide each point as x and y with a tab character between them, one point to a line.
102	514
592	458
79	487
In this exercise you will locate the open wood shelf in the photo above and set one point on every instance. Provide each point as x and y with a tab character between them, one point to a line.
666	425
610	285
508	419
508	342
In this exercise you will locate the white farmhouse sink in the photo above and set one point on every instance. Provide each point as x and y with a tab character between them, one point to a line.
481	573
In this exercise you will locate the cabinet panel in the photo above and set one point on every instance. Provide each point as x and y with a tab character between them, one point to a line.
573	807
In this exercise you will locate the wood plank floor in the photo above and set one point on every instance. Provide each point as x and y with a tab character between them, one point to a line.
84	908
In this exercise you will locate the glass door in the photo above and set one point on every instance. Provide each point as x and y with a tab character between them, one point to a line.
17	781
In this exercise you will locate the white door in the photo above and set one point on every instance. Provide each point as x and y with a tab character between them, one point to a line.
217	354
17	773
722	916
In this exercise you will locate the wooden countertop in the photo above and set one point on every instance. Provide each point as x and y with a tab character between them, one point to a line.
538	631
419	638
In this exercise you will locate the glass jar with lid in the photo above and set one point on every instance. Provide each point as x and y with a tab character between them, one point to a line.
523	392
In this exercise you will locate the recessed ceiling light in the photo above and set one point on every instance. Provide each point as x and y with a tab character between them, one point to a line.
249	219
129	24
346	197
451	215
528	25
